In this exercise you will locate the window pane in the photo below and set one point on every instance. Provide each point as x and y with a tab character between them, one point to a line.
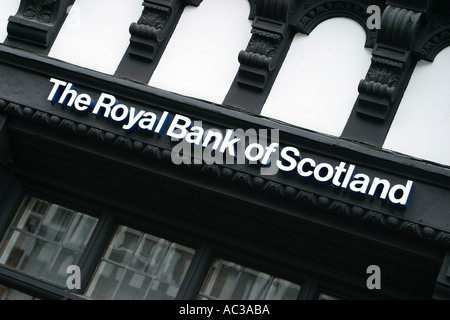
38	257
105	281
133	287
162	291
221	279
55	223
11	294
149	253
31	216
80	231
324	296
227	280
58	272
14	248
151	267
17	295
3	290
283	290
176	263
123	244
44	239
251	285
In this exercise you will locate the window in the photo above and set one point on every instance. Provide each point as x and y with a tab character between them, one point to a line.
11	294
326	296
93	40
228	280
45	238
137	266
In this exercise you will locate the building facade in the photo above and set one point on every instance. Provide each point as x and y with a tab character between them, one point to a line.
216	150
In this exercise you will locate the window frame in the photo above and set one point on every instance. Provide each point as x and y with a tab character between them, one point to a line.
112	212
128	267
92	257
35	235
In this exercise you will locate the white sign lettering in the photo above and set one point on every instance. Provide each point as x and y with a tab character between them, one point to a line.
181	128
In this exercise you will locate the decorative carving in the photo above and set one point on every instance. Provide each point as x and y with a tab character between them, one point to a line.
40	10
152	21
275	23
154	26
149	36
229	175
392	63
37	22
316	11
436	39
270	36
298	238
382	79
261	50
309	3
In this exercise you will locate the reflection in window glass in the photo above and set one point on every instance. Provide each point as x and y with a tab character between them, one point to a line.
55	223
162	291
79	231
325	296
227	280
38	259
44	239
105	282
221	279
138	266
11	294
283	290
134	286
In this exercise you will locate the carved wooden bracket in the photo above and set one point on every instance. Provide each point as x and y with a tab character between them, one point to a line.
270	35
155	25
149	37
392	59
37	22
392	62
275	22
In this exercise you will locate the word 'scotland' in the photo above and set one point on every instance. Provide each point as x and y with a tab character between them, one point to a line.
271	155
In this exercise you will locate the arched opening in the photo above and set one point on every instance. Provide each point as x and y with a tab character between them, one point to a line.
317	85
96	41
7	8
201	58
421	127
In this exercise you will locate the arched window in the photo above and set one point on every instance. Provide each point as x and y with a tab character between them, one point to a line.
95	33
201	58
421	127
7	8
317	85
